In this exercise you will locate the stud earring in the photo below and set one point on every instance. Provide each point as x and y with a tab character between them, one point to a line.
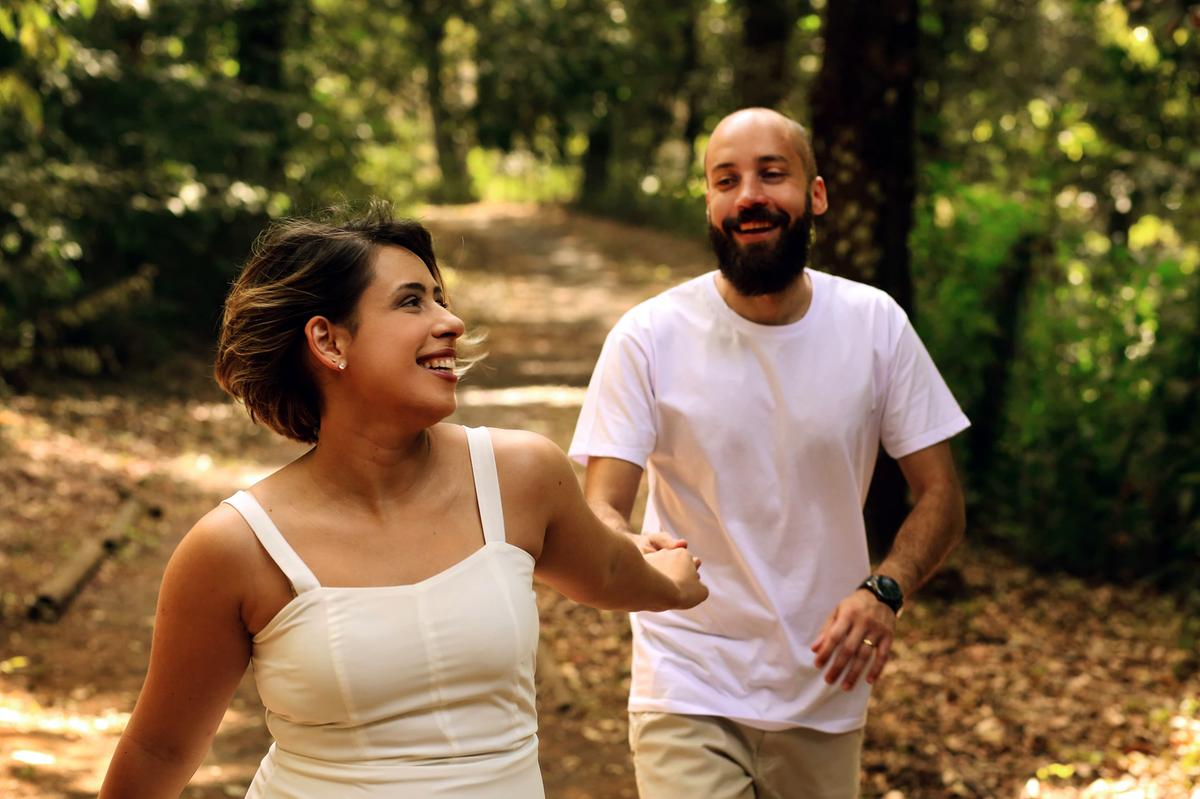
342	365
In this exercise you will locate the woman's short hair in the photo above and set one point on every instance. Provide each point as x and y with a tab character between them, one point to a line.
298	269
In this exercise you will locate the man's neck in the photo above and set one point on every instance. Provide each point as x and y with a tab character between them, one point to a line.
781	308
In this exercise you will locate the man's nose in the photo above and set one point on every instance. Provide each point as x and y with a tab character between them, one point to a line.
750	194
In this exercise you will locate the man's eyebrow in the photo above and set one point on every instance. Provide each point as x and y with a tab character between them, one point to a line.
762	159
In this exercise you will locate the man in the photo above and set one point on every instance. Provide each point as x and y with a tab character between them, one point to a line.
757	397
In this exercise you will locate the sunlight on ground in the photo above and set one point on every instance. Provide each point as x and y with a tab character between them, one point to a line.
552	396
200	470
1123	788
36	739
1147	775
234	779
37	742
37	439
27	716
487	214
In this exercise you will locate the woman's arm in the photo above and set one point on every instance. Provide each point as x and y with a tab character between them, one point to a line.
199	653
580	556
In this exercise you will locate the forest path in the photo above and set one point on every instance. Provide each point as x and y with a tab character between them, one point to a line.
1001	674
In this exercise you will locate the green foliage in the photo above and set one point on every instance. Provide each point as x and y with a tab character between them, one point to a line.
520	176
962	242
156	153
1102	432
679	211
1080	163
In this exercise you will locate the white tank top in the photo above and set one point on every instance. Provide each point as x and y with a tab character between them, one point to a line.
422	690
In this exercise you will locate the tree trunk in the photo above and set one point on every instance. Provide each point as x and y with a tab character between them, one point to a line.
694	121
763	77
262	27
429	18
1008	301
1170	497
864	131
261	34
596	161
456	183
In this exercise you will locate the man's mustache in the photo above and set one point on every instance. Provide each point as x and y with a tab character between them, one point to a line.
777	218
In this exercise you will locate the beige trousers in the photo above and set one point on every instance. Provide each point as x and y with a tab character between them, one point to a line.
706	757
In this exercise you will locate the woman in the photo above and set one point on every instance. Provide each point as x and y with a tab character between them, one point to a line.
381	584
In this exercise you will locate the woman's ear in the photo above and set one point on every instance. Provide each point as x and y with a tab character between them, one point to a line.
326	343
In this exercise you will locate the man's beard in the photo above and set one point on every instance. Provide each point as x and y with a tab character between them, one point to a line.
763	268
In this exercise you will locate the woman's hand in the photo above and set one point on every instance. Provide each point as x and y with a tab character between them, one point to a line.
678	565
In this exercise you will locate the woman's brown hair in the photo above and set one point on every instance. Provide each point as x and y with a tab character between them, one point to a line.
298	269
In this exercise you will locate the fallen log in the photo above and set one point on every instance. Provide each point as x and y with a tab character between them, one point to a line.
60	588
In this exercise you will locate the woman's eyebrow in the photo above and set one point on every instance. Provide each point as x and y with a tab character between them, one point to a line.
417	287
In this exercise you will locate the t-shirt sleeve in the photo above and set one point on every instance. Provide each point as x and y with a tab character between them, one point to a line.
918	409
617	419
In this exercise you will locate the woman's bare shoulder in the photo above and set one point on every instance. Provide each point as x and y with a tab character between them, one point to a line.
220	542
526	451
532	468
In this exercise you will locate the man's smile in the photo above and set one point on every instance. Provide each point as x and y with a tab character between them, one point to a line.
754	225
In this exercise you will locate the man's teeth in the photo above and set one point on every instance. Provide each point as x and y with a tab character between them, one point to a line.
439	363
750	227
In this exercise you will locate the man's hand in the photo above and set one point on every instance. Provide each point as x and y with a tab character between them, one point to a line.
860	630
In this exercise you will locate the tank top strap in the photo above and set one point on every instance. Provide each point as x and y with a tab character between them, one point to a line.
487	483
277	547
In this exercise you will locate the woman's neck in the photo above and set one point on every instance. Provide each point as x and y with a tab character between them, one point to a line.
374	467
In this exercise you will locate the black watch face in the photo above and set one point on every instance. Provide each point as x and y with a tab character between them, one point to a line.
889	588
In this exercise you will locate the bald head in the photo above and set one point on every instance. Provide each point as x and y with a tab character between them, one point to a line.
745	120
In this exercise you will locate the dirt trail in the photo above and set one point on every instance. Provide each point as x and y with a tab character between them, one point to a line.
1009	685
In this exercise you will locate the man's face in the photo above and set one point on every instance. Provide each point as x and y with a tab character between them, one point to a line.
759	210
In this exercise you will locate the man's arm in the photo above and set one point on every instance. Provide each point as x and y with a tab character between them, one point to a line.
610	486
930	531
936	523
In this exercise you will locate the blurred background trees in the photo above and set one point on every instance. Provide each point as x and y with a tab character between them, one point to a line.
1021	175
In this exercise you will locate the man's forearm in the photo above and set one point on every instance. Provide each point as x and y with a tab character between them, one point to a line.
930	532
611	516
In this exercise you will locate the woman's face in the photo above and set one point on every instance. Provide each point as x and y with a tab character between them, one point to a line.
403	350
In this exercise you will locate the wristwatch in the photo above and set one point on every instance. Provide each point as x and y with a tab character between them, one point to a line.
886	590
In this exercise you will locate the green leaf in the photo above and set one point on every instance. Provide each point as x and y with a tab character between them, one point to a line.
87	8
16	92
8	28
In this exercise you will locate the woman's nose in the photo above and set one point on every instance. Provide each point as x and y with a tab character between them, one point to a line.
450	325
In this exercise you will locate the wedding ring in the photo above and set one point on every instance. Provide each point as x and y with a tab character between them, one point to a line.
868	642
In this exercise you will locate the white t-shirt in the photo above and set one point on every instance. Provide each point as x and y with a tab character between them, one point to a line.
759	443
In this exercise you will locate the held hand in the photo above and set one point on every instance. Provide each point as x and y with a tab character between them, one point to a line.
860	630
653	542
678	565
